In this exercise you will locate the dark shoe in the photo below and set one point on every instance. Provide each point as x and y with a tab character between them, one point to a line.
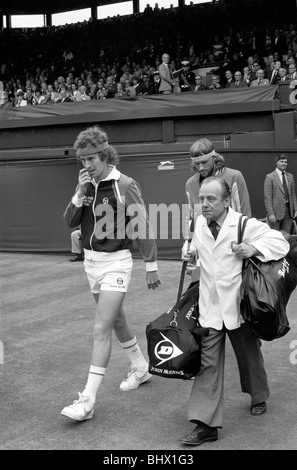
202	433
258	409
77	258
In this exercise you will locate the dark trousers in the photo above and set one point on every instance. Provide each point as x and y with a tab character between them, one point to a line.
284	224
207	394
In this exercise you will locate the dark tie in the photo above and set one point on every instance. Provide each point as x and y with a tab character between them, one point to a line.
285	186
214	228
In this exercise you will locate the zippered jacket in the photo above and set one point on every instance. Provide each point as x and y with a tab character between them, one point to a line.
112	214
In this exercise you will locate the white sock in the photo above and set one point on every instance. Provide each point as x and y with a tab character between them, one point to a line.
134	353
95	377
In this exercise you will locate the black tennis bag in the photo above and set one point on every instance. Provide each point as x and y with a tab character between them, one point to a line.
265	292
174	338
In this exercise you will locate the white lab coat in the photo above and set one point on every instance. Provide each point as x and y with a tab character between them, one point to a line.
220	276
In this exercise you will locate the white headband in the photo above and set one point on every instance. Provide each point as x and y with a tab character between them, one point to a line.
91	150
202	157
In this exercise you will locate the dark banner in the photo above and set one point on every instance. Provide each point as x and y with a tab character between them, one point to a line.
208	102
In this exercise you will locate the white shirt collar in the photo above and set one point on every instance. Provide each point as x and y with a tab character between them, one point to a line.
280	173
113	175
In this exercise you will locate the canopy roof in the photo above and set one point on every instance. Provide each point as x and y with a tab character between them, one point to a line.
37	7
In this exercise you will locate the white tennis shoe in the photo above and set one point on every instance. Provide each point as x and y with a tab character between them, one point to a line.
135	378
81	409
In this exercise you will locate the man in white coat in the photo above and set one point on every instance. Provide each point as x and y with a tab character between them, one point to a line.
214	241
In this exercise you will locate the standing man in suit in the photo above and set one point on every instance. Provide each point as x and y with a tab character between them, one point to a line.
214	241
280	196
167	81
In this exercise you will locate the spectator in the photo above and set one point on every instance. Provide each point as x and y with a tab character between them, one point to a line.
217	47
215	83
260	80
156	83
84	96
238	81
167	82
229	79
247	76
273	75
111	87
39	98
145	84
128	89
93	91
137	86
75	92
292	75
269	66
282	76
20	100
101	93
6	103
254	72
28	96
279	43
199	85
186	77
119	92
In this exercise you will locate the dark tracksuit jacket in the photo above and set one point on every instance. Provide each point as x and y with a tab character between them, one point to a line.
112	214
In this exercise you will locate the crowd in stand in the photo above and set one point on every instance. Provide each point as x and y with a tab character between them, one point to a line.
120	57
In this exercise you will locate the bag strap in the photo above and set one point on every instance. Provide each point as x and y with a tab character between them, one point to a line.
181	281
241	228
240	232
184	265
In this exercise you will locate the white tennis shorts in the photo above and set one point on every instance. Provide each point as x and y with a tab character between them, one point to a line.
112	275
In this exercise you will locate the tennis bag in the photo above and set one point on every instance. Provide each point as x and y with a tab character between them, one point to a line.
265	292
174	338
